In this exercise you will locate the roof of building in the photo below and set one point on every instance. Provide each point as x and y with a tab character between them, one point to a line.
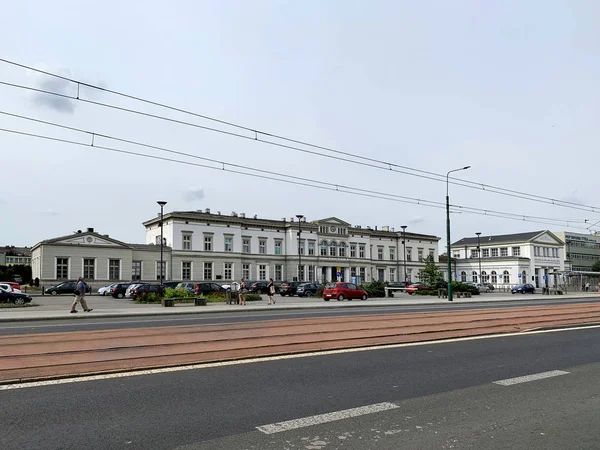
58	240
501	238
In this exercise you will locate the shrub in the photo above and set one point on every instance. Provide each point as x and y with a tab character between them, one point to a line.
150	297
374	288
426	292
177	293
319	293
253	297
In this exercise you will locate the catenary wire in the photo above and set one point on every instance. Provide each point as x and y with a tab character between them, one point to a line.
299	180
389	165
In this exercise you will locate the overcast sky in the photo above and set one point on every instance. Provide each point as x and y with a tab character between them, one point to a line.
509	88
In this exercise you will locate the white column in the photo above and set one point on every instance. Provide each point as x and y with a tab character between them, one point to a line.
328	274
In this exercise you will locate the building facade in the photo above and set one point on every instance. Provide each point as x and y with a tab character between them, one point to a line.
581	250
506	260
224	248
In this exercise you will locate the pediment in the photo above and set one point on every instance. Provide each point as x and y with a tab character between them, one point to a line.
89	239
332	221
547	238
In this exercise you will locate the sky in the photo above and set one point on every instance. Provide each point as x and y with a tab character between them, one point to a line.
508	88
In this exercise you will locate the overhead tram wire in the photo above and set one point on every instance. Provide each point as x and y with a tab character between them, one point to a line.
349	189
386	165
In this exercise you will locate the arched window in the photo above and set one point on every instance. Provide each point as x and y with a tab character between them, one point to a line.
494	277
524	276
474	274
463	276
484	277
332	248
506	277
342	250
323	248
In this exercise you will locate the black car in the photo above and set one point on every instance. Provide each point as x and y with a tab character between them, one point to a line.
208	288
170	284
523	288
118	290
398	284
307	289
147	289
261	287
68	287
289	288
13	297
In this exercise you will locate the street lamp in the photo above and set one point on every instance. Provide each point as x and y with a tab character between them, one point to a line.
300	217
448	231
404	245
162	205
479	255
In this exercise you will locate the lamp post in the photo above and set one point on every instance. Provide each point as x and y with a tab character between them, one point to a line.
448	230
300	217
479	255
162	205
404	246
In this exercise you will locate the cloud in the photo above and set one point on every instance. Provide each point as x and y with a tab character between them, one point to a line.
52	84
415	220
193	193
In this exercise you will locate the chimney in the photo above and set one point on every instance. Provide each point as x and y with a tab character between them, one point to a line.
218	213
207	210
243	215
105	235
291	219
385	228
255	216
233	214
90	230
375	227
393	230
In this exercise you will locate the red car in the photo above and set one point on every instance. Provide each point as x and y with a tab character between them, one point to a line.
417	287
12	284
340	291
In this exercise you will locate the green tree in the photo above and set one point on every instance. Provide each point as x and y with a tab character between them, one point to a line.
430	274
596	267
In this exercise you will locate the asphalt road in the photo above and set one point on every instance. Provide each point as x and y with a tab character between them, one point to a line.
61	325
442	396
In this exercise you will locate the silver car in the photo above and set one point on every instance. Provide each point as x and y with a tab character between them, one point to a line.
480	287
105	290
187	285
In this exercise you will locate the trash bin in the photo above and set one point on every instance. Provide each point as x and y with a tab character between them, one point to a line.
228	297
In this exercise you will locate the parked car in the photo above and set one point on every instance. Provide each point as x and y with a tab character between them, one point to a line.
288	288
208	288
147	289
260	287
130	288
187	286
13	285
417	287
170	284
523	288
118	290
341	291
480	287
68	287
105	290
307	289
490	286
17	298
398	284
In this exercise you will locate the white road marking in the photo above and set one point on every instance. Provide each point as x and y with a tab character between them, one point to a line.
325	418
533	377
5	387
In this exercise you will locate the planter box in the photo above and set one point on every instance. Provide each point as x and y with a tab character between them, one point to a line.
168	302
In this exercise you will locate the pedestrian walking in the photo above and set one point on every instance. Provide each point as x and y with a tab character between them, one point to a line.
271	291
587	287
243	292
80	297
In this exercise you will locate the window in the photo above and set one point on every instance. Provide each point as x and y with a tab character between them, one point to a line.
278	273
516	251
187	241
158	271
278	247
89	266
494	277
494	252
485	253
409	254
342	250
301	273
311	273
431	253
361	251
474	275
332	248
311	248
208	272
245	271
136	270
228	271
262	272
62	268
474	253
506	277
352	272
246	245
362	272
456	255
380	253
262	247
392	253
186	270
353	251
392	274
228	244
409	275
301	244
208	243
420	250
157	240
524	276
114	269
484	277
463	276
504	251
323	248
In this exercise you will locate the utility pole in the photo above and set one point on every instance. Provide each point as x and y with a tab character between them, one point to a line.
162	204
300	217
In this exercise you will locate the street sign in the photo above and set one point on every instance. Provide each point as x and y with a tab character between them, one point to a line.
545	277
339	274
519	275
500	275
